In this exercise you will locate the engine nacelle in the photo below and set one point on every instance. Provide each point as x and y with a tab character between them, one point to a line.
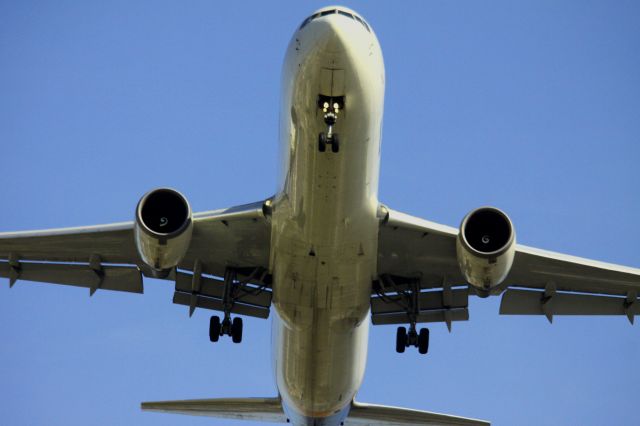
485	248
163	229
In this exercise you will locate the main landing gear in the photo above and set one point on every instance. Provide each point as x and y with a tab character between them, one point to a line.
406	297
228	326
405	339
331	107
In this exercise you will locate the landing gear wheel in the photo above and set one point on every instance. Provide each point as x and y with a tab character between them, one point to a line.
322	142
401	339
214	328
236	330
335	143
423	341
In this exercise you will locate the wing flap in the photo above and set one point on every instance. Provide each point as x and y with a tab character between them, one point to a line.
428	300
116	278
187	299
442	315
381	415
532	302
252	294
257	409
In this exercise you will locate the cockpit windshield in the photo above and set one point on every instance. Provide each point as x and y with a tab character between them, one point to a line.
339	12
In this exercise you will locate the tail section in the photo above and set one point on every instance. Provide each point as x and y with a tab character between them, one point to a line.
260	409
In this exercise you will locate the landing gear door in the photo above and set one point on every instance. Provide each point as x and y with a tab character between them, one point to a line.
332	82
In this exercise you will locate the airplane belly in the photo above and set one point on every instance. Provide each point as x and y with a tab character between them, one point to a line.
318	369
325	225
322	286
324	262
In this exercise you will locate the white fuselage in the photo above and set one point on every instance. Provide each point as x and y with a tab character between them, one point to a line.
325	225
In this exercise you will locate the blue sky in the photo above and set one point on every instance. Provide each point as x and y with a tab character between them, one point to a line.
530	106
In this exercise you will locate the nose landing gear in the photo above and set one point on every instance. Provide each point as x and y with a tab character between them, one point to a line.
331	107
328	138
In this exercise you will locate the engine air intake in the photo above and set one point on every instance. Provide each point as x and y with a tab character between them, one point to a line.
487	230
164	211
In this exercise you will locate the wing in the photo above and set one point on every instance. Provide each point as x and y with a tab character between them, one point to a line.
415	252
232	243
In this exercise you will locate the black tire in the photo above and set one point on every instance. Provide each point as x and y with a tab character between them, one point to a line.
401	339
335	143
236	330
322	142
423	341
214	328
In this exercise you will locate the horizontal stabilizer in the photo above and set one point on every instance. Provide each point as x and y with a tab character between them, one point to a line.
260	409
381	415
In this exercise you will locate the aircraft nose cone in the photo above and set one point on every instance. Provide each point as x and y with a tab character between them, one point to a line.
331	38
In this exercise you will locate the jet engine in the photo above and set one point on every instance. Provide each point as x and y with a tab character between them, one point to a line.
485	248
163	229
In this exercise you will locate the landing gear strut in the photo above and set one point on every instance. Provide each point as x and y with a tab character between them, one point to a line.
331	107
228	326
407	299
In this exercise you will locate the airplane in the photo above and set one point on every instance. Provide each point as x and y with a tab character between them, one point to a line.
323	252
